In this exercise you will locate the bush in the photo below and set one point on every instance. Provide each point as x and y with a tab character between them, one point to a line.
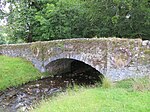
106	83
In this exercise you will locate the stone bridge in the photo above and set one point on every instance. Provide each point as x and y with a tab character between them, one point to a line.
115	58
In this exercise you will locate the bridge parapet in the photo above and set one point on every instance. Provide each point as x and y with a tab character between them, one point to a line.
116	58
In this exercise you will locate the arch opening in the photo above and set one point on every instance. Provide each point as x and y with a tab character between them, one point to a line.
74	71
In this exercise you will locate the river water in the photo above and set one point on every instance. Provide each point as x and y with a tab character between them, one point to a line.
23	97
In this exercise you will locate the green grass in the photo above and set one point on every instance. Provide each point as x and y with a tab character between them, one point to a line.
126	96
123	97
16	71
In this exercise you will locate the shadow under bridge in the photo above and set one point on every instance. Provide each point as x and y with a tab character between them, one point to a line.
74	71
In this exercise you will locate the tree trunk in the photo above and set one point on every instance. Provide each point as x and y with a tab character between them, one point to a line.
29	37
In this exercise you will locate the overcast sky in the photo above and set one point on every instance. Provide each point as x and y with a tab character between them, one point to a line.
6	9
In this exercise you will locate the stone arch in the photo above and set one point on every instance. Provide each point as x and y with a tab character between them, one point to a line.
78	57
75	70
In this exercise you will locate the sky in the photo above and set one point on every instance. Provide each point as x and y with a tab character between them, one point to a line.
6	9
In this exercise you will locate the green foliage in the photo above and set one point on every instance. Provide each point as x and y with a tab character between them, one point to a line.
121	18
65	19
106	83
34	20
136	84
147	52
2	39
5	38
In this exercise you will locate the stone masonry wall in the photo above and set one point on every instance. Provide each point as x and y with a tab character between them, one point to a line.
123	58
115	58
59	66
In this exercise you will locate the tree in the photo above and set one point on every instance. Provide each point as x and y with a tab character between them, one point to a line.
63	19
34	20
121	18
20	18
2	41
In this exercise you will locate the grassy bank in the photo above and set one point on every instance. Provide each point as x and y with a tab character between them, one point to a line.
16	71
125	96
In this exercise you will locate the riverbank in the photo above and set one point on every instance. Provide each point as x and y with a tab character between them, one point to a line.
16	71
25	86
23	97
125	96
